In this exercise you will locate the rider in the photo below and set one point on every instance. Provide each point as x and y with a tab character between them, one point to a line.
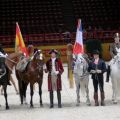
30	51
2	52
3	55
55	69
97	67
113	52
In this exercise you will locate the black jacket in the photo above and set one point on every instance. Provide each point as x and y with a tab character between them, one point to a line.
100	66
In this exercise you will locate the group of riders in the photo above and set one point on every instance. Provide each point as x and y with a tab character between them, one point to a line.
54	68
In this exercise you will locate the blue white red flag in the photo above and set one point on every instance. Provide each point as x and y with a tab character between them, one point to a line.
78	46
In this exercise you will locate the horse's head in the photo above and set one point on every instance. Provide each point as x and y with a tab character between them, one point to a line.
38	55
80	66
117	59
38	60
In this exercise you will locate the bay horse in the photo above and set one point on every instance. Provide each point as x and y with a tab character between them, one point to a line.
32	74
81	76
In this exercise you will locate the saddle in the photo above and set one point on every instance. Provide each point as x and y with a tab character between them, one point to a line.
22	64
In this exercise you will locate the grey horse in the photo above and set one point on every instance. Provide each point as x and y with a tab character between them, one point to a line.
81	76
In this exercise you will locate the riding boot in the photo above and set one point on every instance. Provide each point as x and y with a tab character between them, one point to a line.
51	99
102	99
96	99
59	99
108	73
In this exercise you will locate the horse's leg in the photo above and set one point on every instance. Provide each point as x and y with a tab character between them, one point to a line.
24	92
87	93
5	95
14	84
115	91
20	91
2	91
40	93
31	93
77	82
113	88
78	94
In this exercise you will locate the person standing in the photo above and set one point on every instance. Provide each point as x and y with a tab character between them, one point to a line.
55	69
97	67
114	47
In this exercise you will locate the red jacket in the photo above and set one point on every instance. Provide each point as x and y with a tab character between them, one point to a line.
58	67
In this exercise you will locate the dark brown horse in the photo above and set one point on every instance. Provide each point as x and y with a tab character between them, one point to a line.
5	72
32	74
4	78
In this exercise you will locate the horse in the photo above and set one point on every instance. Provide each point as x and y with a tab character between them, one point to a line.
81	76
5	73
115	77
4	79
32	74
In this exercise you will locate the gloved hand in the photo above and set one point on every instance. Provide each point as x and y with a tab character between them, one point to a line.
115	57
93	71
99	71
56	72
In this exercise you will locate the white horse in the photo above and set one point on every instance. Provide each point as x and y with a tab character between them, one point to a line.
115	77
81	76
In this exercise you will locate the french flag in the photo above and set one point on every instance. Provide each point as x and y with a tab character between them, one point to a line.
78	46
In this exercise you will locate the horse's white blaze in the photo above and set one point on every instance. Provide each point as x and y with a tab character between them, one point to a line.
41	56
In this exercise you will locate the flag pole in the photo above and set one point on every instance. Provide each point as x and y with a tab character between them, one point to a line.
70	61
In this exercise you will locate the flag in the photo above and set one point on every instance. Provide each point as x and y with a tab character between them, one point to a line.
19	44
78	46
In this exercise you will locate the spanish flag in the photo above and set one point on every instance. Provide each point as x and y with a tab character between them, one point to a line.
19	44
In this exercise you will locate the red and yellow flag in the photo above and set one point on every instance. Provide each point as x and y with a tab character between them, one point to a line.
19	44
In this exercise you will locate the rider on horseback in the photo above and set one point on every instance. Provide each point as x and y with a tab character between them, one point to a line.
2	52
3	67
23	62
113	52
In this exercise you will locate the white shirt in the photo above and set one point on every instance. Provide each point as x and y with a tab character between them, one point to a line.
96	61
2	55
53	64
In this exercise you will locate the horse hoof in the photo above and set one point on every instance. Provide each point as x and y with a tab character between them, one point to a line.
114	102
25	103
41	105
7	108
21	104
78	104
31	106
113	99
88	104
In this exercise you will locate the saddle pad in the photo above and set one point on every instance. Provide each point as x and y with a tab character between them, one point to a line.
21	66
